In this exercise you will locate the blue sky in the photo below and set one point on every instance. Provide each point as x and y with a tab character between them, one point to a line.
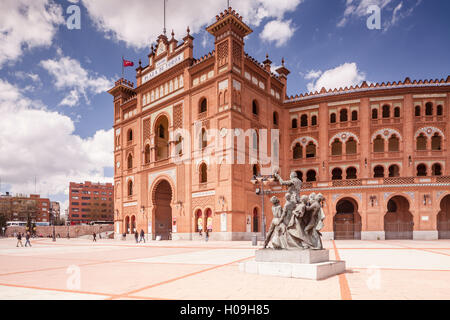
53	80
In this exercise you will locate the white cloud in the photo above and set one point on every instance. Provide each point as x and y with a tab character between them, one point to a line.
69	74
344	75
25	25
140	22
278	31
313	74
38	142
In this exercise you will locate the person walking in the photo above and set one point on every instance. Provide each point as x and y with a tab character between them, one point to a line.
19	240
136	236
142	236
27	238
94	235
207	235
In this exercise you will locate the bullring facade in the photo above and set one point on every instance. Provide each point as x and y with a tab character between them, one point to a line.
378	153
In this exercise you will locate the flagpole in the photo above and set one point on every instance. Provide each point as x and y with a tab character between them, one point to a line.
122	67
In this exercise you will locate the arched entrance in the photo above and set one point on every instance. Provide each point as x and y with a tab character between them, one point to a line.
163	210
133	224
127	225
199	220
347	221
443	219
255	220
398	221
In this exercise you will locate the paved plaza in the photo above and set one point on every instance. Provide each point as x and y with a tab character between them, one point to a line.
114	269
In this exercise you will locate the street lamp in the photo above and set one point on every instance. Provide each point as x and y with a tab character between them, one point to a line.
262	180
53	222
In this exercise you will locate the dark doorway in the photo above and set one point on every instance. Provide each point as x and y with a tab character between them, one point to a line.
163	211
398	221
443	219
347	221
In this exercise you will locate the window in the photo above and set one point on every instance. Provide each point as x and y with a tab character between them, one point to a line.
394	171
311	150
255	107
298	151
333	118
304	120
393	144
130	135
255	170
161	131
439	110
299	175
436	142
204	139
130	188
378	172
436	169
421	170
351	173
147	154
255	140
421	142
386	111
417	111
397	112
354	115
314	120
428	109
275	118
130	161
203	173
343	115
378	144
311	176
336	174
350	146
294	124
203	105
179	146
336	148
255	220
374	114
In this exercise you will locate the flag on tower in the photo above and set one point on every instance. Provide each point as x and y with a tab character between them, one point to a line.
127	63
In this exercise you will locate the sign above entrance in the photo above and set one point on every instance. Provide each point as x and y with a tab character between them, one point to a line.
162	66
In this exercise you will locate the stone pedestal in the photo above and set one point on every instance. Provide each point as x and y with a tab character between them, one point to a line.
303	264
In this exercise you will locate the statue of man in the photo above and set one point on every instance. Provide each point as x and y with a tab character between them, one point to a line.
277	227
316	221
294	184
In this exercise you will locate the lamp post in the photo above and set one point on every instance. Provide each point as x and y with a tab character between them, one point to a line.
261	180
53	222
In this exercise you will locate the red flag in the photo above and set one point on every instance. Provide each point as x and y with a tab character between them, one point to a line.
127	63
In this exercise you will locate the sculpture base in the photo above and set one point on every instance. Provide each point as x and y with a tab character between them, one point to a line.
302	264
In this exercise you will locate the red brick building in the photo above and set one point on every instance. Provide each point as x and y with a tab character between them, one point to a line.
21	208
379	153
90	202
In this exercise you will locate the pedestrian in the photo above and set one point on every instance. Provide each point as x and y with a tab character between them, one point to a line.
95	237
27	238
124	236
136	236
142	236
207	235
19	240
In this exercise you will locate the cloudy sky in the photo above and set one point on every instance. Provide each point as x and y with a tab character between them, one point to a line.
56	118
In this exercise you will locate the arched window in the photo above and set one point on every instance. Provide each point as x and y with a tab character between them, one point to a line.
294	124
203	107
421	142
299	175
417	111
436	170
255	140
374	113
298	151
336	174
130	161
255	220
436	142
304	121
130	135
350	146
386	111
311	150
147	154
354	115
378	172
378	144
439	110
204	137
333	118
130	188
162	138
275	118
336	147
428	109
343	115
255	108
394	143
203	173
314	120
421	170
255	170
311	176
397	112
394	171
351	173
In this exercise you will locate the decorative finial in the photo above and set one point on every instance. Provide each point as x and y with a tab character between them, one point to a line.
267	56
188	30
282	61
140	62
173	34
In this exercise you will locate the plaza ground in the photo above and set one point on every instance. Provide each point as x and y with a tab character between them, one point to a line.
114	269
